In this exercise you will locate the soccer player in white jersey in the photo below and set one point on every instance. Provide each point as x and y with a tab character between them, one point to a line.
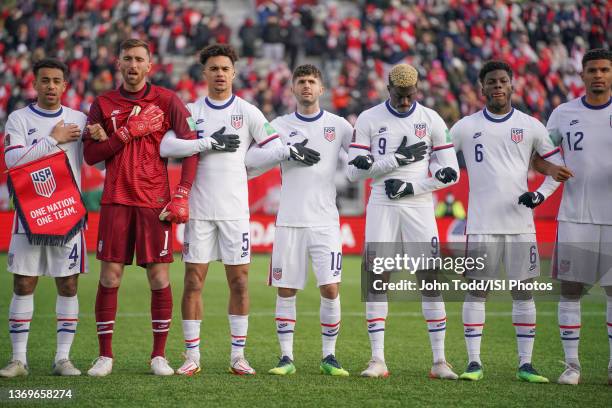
397	143
498	143
307	223
218	227
32	132
583	255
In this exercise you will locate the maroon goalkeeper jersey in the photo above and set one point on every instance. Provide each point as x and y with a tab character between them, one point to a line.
136	175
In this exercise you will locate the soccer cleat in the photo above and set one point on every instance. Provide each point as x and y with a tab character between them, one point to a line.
240	366
284	367
331	366
527	373
571	375
102	367
473	372
442	370
376	368
15	368
160	366
65	367
190	367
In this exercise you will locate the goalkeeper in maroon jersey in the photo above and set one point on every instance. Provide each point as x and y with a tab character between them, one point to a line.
125	128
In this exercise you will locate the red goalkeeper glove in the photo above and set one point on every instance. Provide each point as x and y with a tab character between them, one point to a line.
177	210
141	123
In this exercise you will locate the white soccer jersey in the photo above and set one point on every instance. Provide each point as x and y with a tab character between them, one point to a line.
308	193
585	135
220	190
32	126
380	130
497	152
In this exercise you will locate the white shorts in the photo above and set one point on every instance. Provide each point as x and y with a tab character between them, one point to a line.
45	260
292	246
392	230
227	241
583	253
518	252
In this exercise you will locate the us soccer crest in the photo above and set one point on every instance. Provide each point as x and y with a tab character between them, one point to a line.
420	130
330	133
44	182
236	121
277	273
516	135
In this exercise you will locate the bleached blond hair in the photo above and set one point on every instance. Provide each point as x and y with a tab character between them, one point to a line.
403	75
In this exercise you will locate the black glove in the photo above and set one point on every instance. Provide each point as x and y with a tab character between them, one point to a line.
363	162
446	175
531	200
410	154
396	188
303	154
224	143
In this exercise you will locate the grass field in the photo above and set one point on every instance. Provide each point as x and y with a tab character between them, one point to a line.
407	351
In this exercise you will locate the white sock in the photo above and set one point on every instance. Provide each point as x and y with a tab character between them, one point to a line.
191	333
285	324
329	313
20	316
435	317
524	322
67	311
376	316
473	324
239	326
569	328
609	324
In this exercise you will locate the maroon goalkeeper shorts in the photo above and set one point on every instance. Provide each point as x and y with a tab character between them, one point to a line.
124	229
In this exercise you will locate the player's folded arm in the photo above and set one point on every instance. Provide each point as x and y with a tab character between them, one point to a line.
443	166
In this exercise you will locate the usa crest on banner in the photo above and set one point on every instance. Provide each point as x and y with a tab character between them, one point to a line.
516	135
237	121
420	130
329	133
47	200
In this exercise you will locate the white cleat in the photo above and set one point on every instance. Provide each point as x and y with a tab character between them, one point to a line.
376	368
15	368
571	375
160	366
102	367
443	371
191	366
65	367
240	366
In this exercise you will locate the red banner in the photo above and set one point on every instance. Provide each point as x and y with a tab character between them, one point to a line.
47	200
262	233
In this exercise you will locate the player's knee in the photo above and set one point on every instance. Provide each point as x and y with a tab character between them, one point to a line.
67	286
193	282
24	285
329	291
572	290
239	285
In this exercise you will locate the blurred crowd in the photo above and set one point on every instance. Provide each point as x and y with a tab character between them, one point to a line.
354	42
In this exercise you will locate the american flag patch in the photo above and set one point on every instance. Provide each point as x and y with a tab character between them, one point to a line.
44	182
329	133
420	130
516	135
236	121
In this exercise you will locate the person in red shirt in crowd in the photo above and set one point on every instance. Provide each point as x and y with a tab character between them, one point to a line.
125	128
